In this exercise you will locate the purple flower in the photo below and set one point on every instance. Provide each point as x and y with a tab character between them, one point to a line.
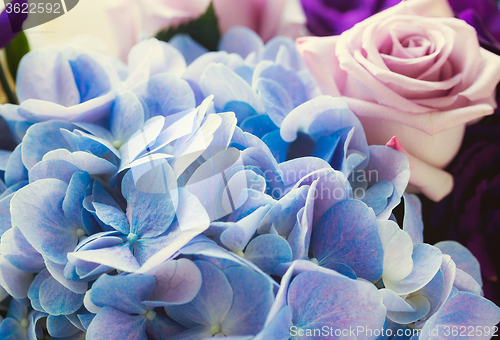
11	23
484	15
471	213
332	17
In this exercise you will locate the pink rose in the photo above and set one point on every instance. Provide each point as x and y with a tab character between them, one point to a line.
413	72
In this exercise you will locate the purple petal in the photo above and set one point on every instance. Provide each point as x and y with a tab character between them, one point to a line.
177	282
58	169
462	257
318	299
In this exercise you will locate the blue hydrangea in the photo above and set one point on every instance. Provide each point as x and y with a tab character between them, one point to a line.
193	194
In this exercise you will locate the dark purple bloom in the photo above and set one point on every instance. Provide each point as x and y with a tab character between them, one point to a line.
11	23
471	213
332	17
484	15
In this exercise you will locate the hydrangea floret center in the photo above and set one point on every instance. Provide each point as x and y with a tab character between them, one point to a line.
132	238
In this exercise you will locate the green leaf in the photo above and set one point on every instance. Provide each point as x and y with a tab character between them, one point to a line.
204	30
4	84
14	51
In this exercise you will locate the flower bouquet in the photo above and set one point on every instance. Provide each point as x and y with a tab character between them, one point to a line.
221	172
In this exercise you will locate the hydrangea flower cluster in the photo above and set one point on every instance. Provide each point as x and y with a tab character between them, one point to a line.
192	194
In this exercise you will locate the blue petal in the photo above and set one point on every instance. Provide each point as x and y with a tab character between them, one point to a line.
283	46
283	215
15	171
119	257
42	138
55	80
426	263
277	102
412	222
52	293
214	300
391	165
113	217
462	257
79	142
11	329
278	328
347	233
19	252
78	188
252	299
241	110
240	40
318	299
277	145
90	77
288	80
37	211
151	198
268	251
127	116
161	327
34	290
165	94
58	169
237	236
377	196
219	80
60	326
189	48
110	324
177	282
460	312
83	160
124	293
259	125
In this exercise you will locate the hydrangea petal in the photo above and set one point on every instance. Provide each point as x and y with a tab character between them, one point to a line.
37	211
318	299
111	324
55	83
219	80
60	326
15	281
412	222
248	310
164	95
177	282
189	48
118	257
426	263
463	310
462	257
42	138
268	251
213	302
398	249
112	216
83	160
347	233
241	40
58	169
16	249
124	293
52	293
15	171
